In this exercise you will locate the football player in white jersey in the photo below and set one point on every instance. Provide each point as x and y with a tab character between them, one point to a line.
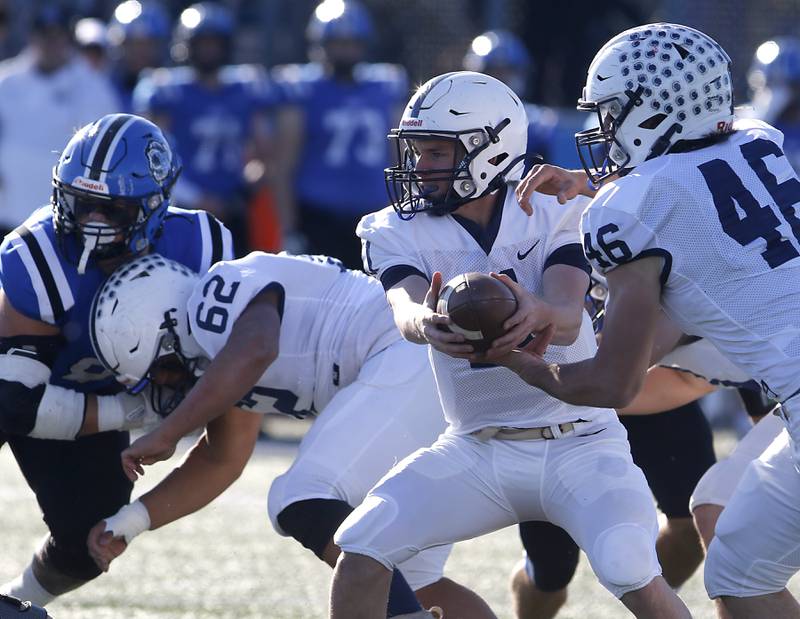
696	214
294	335
461	140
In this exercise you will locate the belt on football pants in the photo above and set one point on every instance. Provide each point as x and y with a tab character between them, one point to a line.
546	433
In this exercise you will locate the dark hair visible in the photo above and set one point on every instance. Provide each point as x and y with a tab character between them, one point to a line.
686	146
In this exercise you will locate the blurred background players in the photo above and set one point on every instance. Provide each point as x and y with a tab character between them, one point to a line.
46	93
215	114
138	35
774	81
332	127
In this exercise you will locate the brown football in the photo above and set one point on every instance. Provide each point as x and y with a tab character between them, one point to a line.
478	305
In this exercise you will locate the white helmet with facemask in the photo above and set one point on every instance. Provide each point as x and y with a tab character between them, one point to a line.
653	86
139	320
487	121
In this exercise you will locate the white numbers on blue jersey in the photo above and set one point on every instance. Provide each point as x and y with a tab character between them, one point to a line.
729	192
214	316
86	370
218	142
355	132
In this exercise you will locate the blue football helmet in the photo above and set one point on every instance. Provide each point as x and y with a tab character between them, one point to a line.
204	18
774	75
139	20
122	167
339	19
503	55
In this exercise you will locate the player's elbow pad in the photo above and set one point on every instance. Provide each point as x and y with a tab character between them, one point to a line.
30	406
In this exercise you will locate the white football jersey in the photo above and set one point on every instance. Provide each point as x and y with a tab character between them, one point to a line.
723	217
478	396
702	359
332	321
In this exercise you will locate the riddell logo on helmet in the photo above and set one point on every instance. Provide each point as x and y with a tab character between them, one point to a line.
412	122
724	126
88	184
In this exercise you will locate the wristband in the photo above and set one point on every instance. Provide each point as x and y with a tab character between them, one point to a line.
129	521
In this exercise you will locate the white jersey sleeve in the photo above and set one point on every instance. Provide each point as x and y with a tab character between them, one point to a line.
565	226
613	236
388	248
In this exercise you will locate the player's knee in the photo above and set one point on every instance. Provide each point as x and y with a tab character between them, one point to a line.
313	522
62	567
624	556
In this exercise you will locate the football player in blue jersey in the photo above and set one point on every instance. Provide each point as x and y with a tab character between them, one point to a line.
332	124
110	202
503	55
215	114
138	35
774	80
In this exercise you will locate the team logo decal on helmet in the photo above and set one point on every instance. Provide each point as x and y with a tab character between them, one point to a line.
159	157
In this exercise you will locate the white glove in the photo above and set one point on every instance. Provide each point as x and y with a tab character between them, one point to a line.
125	411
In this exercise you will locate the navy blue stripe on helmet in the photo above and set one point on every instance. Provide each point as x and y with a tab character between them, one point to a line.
96	165
421	95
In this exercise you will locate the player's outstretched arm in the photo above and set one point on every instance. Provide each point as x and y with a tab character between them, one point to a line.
614	376
554	181
666	388
413	303
250	349
210	467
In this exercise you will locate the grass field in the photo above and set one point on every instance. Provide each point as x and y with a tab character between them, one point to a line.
226	562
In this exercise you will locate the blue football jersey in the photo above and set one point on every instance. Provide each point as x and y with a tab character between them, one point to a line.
209	128
345	149
42	282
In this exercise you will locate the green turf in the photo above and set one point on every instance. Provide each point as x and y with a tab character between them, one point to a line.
227	562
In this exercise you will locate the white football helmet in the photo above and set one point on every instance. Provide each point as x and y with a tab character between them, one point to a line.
139	316
480	112
653	86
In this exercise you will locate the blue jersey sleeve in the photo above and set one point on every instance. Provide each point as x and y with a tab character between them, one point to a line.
196	239
16	282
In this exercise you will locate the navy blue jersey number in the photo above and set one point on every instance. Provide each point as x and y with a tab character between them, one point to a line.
611	252
282	400
214	317
728	191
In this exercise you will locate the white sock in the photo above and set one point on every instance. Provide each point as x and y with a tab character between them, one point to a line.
28	589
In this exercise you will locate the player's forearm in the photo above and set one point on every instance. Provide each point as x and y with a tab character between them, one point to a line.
665	389
194	484
566	318
408	318
584	383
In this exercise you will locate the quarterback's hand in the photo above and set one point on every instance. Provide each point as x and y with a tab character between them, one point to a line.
554	181
434	326
528	360
103	546
148	449
531	316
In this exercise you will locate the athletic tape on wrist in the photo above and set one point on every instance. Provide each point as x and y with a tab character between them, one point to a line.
129	521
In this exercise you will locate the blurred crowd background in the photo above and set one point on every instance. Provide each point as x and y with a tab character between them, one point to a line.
279	108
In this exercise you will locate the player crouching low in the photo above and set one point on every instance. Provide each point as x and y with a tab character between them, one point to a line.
462	139
298	335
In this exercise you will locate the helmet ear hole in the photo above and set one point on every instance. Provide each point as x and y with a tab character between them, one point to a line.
651	123
496	161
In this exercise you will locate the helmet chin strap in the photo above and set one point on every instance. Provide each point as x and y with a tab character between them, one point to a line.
89	243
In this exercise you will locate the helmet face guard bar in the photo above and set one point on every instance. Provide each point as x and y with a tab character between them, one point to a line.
594	145
165	398
406	187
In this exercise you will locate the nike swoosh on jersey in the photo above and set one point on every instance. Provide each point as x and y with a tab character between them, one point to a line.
600	78
522	256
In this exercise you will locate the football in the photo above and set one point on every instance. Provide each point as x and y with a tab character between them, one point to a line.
477	305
